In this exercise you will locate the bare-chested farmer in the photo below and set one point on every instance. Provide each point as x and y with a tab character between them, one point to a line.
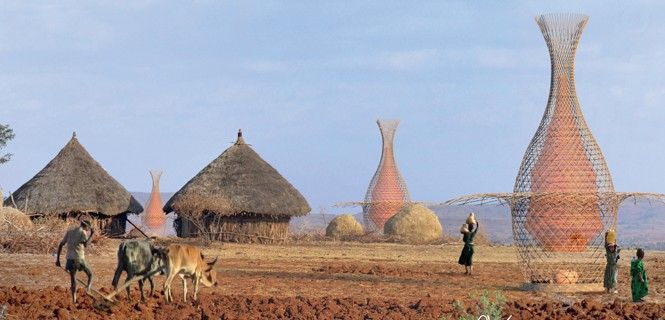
76	240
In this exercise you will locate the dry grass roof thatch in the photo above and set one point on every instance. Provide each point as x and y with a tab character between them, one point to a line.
73	181
238	181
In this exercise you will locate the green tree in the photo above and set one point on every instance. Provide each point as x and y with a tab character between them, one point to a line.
6	134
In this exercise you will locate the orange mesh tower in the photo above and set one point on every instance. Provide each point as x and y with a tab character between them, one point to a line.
153	216
558	235
387	191
564	200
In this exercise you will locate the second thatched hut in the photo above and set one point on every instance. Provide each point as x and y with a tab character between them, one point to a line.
238	197
74	185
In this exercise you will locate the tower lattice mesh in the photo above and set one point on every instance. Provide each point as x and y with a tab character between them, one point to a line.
560	236
387	191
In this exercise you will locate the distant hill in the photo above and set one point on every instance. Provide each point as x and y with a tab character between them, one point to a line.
640	223
496	221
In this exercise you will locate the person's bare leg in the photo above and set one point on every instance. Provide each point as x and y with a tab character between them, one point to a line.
72	275
88	273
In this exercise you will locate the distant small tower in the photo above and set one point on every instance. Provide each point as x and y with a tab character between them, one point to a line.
154	217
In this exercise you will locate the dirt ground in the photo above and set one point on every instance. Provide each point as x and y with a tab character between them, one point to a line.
324	280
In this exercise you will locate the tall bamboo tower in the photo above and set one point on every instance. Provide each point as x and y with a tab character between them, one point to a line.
387	191
564	200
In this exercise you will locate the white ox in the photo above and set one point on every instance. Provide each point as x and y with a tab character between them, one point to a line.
187	262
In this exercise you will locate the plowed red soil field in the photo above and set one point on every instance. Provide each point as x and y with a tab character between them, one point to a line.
324	280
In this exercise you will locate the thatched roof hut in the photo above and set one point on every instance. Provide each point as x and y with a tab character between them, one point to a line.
238	197
72	184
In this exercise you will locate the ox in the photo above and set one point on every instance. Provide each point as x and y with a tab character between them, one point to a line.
188	262
139	258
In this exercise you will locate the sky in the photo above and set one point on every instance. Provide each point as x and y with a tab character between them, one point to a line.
166	85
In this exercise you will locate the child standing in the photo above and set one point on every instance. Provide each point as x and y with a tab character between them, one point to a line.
639	284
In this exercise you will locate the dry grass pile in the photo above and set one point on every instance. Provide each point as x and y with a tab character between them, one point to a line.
344	227
414	224
14	220
44	237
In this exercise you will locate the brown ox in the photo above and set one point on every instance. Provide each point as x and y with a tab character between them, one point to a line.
187	262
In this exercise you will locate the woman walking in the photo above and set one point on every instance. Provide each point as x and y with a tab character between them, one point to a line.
469	230
639	285
612	255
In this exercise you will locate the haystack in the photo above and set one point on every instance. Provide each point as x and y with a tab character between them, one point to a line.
415	224
73	184
238	197
14	220
344	227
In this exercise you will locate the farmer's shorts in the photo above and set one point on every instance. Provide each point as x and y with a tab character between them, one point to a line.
77	265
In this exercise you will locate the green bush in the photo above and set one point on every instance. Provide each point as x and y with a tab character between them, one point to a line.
486	305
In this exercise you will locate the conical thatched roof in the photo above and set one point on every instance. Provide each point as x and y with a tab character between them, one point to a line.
238	181
74	181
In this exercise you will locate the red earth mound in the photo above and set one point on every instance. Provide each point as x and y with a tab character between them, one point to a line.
53	303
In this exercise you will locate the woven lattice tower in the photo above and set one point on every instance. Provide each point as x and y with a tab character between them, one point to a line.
153	216
559	237
387	191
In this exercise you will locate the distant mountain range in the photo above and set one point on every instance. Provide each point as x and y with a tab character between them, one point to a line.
640	223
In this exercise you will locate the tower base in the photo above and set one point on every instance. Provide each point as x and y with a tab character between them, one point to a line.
551	287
